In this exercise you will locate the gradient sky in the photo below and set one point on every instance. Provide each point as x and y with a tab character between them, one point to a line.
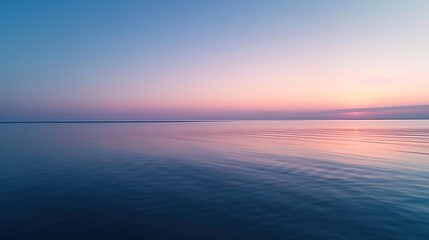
177	59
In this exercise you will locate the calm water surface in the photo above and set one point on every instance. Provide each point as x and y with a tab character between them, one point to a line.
219	180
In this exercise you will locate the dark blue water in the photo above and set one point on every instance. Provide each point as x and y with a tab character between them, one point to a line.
225	180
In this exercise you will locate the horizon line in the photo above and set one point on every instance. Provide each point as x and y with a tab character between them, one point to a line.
410	112
207	121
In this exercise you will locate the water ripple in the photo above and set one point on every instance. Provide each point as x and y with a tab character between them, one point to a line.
237	180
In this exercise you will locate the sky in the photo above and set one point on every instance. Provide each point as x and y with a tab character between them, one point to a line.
213	59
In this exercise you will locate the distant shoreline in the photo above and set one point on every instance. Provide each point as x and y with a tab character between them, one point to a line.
115	121
201	121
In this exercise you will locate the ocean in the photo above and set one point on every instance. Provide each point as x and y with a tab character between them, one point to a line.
215	180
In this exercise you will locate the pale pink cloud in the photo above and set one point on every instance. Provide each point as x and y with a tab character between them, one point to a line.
379	81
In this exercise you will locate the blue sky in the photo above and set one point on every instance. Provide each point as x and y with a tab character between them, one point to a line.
149	59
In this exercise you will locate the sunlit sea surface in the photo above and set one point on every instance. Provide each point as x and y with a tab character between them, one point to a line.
215	180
